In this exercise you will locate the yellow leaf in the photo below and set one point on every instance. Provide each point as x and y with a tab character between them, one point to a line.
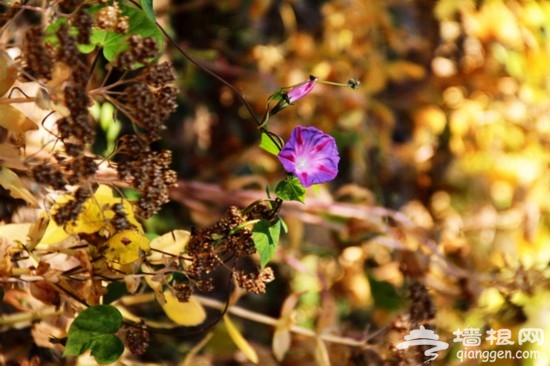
8	72
54	234
171	243
189	313
37	231
124	247
12	119
239	340
280	343
97	212
10	181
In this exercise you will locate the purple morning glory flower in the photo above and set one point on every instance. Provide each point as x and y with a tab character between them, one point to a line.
311	155
295	94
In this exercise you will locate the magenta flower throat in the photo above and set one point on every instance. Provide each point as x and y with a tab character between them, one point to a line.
311	155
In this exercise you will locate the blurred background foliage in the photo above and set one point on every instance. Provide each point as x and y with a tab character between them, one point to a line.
443	176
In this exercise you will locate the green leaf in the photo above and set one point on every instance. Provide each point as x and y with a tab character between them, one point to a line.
266	238
385	294
94	329
147	6
141	22
113	43
106	348
268	145
291	189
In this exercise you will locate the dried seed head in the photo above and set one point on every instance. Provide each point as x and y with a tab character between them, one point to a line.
49	175
107	17
36	55
83	22
158	75
137	339
122	25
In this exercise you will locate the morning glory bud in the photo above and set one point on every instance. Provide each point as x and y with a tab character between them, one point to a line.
295	93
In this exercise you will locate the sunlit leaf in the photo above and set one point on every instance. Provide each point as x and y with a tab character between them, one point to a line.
94	329
239	340
291	189
54	234
171	243
8	72
125	247
12	119
96	212
268	145
266	239
281	343
11	182
189	313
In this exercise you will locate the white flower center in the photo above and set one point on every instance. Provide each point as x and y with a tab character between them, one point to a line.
301	163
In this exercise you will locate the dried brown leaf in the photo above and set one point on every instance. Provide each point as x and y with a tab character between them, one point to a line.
8	72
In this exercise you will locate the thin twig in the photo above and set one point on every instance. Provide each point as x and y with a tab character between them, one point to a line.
267	320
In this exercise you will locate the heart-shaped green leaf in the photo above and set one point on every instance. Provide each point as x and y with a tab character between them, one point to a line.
94	329
266	238
291	189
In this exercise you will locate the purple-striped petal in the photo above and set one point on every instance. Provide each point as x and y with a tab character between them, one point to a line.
311	155
301	91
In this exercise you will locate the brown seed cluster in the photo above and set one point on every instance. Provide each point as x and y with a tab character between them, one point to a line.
120	220
148	171
255	281
36	55
158	75
137	339
141	51
229	239
83	21
182	291
148	106
147	101
70	210
420	312
109	18
48	174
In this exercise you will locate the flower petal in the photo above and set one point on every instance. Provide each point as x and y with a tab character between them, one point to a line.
302	90
311	155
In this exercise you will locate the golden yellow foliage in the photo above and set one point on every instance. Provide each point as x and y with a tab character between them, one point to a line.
126	247
187	313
